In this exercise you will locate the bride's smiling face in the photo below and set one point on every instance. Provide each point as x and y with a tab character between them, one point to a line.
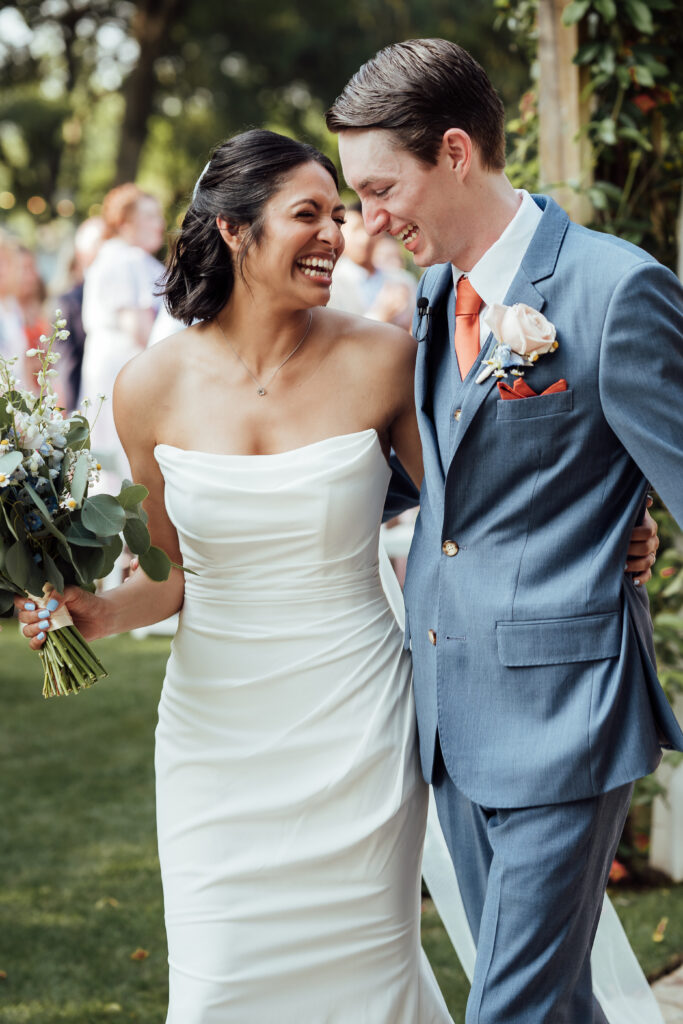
301	239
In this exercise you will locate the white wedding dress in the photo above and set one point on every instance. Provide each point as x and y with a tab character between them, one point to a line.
291	810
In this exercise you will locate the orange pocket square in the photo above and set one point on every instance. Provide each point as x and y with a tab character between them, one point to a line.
520	389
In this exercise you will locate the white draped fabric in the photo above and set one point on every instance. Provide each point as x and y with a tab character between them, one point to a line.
291	808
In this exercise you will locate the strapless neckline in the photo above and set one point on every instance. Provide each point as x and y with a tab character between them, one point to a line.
272	455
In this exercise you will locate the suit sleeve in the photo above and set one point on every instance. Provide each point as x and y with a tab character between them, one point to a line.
641	376
402	493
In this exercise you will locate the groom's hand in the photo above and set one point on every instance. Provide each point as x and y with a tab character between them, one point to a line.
642	549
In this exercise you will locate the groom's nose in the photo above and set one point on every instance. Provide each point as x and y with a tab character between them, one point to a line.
376	219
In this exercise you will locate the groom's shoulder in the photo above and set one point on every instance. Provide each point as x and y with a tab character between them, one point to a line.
618	252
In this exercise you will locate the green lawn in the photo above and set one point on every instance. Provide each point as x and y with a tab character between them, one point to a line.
80	887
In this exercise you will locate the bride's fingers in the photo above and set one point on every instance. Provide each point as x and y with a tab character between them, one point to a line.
36	633
29	613
641	568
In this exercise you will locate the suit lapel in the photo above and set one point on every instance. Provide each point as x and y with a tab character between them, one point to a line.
537	265
436	290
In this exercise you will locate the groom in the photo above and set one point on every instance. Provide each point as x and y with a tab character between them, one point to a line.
537	697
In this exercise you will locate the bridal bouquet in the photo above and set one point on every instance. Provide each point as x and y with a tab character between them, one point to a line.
51	532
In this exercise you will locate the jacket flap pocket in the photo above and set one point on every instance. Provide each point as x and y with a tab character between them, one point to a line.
559	641
532	408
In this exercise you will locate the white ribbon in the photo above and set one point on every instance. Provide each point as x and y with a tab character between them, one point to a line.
58	619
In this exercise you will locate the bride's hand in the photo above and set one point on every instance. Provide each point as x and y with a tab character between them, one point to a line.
85	609
642	549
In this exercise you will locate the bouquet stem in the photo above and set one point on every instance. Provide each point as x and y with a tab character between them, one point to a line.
69	663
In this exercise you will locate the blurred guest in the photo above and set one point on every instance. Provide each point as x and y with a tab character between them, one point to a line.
119	307
12	339
360	285
87	241
31	294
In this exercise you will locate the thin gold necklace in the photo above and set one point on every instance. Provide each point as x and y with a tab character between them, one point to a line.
261	389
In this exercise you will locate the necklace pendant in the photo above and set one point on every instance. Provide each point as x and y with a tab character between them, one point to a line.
261	390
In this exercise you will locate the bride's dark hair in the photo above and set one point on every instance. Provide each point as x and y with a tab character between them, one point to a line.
242	175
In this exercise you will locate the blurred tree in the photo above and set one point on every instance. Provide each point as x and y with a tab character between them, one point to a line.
164	80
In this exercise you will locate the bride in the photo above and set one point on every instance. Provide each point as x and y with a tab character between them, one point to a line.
290	806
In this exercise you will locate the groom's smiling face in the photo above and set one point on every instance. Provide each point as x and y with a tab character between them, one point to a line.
400	194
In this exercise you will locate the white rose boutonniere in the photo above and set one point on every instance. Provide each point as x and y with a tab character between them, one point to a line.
523	334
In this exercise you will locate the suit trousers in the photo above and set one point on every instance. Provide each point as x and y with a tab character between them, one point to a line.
532	881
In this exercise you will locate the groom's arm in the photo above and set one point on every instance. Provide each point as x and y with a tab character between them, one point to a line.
402	493
641	376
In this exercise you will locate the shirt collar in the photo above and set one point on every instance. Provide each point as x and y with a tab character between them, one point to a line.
495	271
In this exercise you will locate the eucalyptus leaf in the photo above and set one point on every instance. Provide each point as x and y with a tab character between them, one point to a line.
18	564
156	564
110	552
137	536
9	462
77	534
43	509
52	573
132	495
103	515
79	433
79	480
8	522
89	563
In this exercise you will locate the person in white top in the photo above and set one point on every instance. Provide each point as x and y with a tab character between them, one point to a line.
120	302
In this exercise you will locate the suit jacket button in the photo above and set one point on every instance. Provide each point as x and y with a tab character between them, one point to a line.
432	637
457	414
450	548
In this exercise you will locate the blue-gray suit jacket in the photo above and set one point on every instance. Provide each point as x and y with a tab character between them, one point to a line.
542	679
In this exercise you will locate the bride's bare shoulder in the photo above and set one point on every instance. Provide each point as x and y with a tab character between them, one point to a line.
371	340
156	369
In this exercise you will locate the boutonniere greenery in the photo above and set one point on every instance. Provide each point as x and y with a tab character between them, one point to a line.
522	335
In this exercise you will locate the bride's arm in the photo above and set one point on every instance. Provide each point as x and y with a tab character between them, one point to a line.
140	601
403	430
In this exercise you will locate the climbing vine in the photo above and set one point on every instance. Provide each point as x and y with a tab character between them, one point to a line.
632	53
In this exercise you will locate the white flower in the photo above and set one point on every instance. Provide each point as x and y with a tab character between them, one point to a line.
51	373
63	335
69	503
43	339
61	322
33	352
524	329
9	407
4	480
58	313
101	397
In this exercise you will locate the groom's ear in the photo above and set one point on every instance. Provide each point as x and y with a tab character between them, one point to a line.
456	146
230	233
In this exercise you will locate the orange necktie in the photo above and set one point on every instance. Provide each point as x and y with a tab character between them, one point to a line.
467	306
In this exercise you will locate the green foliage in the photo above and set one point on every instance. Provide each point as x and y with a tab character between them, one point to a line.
632	53
216	71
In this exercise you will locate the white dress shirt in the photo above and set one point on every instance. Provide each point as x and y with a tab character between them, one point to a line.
493	274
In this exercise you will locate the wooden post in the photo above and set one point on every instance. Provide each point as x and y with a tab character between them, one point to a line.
565	156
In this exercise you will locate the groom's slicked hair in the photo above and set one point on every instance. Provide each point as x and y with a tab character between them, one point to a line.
241	176
419	89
